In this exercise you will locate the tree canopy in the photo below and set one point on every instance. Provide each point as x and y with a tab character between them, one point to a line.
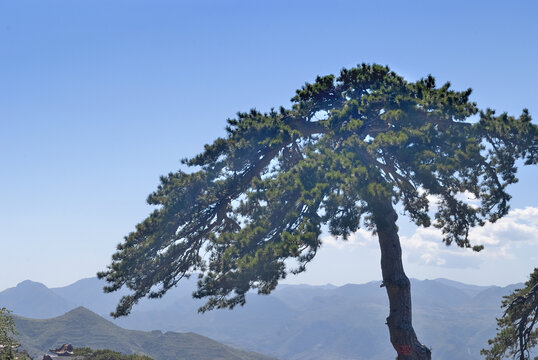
7	329
8	333
517	333
347	150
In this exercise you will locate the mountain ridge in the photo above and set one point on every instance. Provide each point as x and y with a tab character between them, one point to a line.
83	328
306	322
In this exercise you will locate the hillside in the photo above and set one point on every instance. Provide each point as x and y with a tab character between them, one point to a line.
83	328
105	354
301	322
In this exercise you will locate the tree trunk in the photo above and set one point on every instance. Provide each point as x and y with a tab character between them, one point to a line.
402	335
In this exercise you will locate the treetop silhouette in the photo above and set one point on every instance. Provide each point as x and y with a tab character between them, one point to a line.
348	150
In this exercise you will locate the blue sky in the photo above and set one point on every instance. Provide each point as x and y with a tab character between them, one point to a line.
99	98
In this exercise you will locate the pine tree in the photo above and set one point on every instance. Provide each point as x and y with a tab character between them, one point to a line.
348	150
516	334
7	335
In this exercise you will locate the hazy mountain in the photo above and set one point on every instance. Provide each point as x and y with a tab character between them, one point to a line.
83	328
488	297
34	300
299	322
89	294
471	290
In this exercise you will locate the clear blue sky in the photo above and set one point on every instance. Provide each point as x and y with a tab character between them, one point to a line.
99	98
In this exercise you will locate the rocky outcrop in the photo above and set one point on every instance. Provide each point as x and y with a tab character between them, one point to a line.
64	350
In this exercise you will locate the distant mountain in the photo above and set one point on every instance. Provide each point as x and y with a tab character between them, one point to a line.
83	328
34	300
89	294
471	290
488	297
302	322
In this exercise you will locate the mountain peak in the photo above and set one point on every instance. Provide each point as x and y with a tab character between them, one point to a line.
81	311
83	328
30	283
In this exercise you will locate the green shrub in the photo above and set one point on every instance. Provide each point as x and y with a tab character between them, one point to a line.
105	354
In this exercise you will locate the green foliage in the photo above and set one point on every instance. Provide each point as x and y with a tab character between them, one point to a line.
8	342
11	354
7	330
104	354
517	333
261	195
7	354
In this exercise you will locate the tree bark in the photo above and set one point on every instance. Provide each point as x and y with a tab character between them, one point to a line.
402	334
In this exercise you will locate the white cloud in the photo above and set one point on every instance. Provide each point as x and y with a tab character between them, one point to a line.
425	246
362	238
520	225
529	214
517	229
